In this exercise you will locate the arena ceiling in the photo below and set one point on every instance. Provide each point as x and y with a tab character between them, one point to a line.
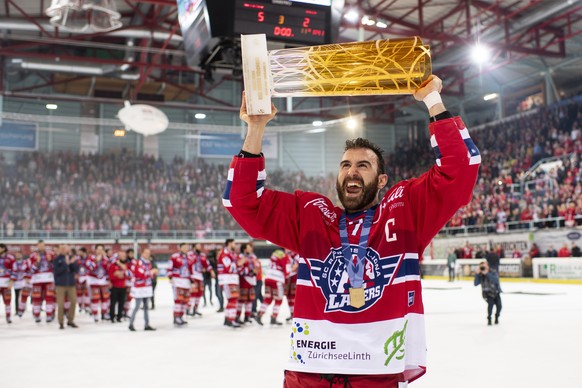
532	42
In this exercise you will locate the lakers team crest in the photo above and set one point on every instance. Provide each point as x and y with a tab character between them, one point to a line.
331	277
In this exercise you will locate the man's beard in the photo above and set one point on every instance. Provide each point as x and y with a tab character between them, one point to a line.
367	196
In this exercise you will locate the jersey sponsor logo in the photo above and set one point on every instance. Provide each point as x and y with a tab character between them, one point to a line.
397	193
394	346
332	278
322	206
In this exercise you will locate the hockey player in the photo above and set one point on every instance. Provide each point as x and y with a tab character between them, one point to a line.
98	282
7	279
81	282
248	281
358	286
20	270
228	265
275	277
291	281
43	281
199	265
142	287
180	277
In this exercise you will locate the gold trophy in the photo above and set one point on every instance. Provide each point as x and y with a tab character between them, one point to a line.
391	66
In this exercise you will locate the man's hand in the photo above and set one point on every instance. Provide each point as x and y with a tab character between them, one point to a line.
432	84
255	120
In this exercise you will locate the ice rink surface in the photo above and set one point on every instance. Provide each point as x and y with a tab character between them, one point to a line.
536	345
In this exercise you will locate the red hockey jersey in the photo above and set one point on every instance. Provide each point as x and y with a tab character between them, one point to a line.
247	272
41	266
6	269
385	335
227	268
179	269
278	265
97	271
199	264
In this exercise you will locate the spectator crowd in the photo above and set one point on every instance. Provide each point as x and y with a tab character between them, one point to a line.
124	192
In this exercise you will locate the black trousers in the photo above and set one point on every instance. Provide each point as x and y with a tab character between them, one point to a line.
17	298
258	295
219	296
153	298
207	284
117	298
451	274
494	302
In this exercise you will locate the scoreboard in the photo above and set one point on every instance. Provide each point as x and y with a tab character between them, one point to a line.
297	22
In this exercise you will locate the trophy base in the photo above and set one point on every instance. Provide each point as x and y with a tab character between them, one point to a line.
256	74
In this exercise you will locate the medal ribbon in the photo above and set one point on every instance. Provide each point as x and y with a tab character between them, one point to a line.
356	270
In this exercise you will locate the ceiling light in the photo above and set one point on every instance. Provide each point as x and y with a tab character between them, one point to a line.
381	25
371	22
490	96
365	19
200	116
119	133
52	106
352	123
317	123
352	16
84	16
480	53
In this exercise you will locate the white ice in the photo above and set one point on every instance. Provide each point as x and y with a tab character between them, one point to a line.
536	344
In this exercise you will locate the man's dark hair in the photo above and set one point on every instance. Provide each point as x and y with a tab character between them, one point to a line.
243	247
99	245
40	241
228	241
129	250
83	249
182	244
3	246
365	143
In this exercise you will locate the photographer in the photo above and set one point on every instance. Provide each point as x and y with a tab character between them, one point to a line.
118	274
490	288
65	269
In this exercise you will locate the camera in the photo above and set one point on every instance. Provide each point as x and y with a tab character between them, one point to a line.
482	267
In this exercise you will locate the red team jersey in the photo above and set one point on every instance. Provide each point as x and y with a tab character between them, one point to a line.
41	266
198	265
141	271
6	269
278	265
386	336
227	268
179	270
97	271
248	277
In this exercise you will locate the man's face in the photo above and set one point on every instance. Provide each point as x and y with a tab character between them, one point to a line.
2	250
358	181
130	255
40	247
198	247
99	251
146	254
232	246
64	249
249	249
122	255
184	248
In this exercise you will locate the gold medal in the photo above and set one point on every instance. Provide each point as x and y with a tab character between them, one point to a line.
357	297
